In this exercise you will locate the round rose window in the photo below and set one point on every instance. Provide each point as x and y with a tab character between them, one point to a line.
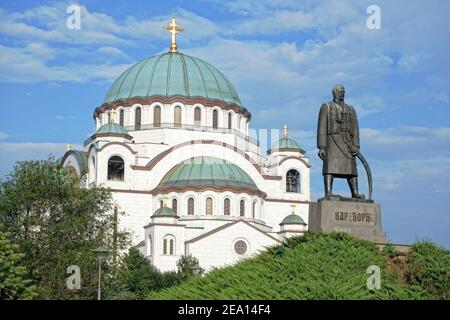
240	247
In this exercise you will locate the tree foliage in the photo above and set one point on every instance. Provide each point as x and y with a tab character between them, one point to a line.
57	224
13	284
185	264
136	277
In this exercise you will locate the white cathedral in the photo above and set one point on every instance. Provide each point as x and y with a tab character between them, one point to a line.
172	144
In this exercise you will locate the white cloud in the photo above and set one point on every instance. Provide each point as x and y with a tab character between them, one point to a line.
18	65
11	152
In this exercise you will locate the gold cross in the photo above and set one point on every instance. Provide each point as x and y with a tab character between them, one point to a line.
173	28
285	130
293	208
164	200
113	116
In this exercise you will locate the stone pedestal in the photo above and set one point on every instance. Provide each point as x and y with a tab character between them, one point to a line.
360	218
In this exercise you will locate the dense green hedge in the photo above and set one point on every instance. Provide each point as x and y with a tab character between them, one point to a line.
429	267
325	266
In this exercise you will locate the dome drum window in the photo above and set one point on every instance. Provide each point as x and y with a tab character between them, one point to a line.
137	119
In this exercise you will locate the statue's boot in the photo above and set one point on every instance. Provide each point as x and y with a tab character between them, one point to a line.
353	183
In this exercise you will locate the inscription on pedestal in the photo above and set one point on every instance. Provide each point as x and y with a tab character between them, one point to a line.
356	217
362	219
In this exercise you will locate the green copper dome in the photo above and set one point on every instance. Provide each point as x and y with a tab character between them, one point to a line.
112	128
286	143
172	74
164	212
201	172
293	219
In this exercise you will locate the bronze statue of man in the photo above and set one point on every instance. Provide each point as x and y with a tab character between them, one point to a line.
338	142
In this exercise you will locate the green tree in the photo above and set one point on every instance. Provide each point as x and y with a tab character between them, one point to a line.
13	284
57	224
185	265
136	277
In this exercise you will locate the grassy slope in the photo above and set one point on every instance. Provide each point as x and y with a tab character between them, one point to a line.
326	266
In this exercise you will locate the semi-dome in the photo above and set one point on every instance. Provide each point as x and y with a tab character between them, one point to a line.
112	128
172	74
207	173
293	219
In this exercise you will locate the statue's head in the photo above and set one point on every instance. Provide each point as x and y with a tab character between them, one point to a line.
339	92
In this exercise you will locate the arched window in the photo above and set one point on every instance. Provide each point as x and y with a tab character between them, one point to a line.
174	205
165	245
137	119
157	116
161	203
149	245
109	117
254	210
177	116
230	120
209	206
215	119
121	117
242	208
191	206
169	245
226	207
197	117
292	181
116	168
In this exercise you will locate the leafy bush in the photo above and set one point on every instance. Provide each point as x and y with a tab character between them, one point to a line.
429	267
136	276
390	251
185	265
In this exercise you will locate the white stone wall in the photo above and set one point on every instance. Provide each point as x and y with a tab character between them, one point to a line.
217	250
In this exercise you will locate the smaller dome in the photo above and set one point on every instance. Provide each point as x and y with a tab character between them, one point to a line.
293	219
286	143
165	212
112	128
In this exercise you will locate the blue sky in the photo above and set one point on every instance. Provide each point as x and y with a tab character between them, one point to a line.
283	57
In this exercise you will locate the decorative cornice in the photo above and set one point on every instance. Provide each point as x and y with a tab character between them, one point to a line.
289	201
295	158
227	226
164	224
286	150
149	166
170	100
119	143
118	135
166	190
